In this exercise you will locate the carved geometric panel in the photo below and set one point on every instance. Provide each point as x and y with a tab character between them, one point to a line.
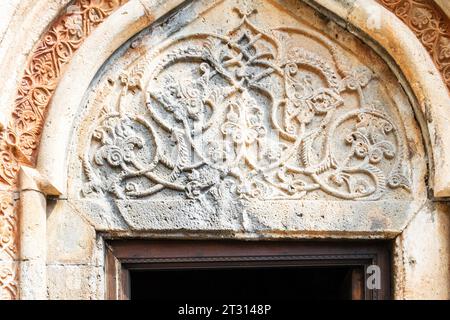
259	107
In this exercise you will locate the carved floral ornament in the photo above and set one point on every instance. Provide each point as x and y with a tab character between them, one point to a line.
20	140
247	114
430	25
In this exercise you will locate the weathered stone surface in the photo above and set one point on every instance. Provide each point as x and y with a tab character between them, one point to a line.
444	5
33	279
75	282
259	116
70	239
422	263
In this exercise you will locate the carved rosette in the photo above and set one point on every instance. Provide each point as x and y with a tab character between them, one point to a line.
247	114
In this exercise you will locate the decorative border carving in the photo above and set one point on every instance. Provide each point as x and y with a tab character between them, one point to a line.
20	140
8	227
8	246
431	26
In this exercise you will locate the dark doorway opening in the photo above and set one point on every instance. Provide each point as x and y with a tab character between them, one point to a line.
230	269
225	284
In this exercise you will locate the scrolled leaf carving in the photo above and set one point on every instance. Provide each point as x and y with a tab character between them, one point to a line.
245	116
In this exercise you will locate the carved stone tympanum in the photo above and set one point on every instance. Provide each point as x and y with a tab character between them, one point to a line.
252	108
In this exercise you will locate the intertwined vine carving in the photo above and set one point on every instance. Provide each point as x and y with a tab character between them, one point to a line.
248	114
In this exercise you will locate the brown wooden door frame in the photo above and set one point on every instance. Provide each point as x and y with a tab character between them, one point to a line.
125	255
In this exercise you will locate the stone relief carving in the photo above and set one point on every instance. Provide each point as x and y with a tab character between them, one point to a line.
8	247
247	114
8	228
430	25
19	142
20	139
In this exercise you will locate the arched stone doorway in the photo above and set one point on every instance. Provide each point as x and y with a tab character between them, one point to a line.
249	120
